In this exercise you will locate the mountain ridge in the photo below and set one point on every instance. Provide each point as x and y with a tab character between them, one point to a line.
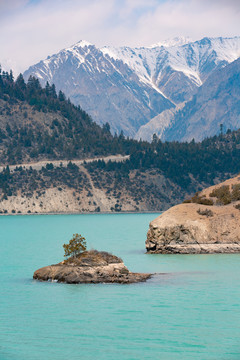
127	87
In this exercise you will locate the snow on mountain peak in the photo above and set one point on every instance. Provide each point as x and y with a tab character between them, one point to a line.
147	80
181	54
77	51
176	41
82	43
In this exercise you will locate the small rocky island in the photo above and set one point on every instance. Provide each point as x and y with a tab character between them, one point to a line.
90	267
207	223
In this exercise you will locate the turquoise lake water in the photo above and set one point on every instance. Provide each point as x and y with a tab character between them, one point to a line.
191	312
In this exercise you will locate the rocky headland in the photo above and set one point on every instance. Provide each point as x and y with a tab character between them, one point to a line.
90	267
207	223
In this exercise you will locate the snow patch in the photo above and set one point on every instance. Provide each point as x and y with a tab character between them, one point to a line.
176	41
82	43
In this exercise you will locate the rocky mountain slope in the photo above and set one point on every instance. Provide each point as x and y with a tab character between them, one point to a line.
216	102
159	125
207	223
127	87
107	89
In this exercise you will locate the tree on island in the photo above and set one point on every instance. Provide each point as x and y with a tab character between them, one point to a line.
75	246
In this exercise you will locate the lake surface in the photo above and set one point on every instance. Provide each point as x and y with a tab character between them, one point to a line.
191	312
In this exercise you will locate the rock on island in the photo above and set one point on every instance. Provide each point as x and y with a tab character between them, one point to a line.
90	267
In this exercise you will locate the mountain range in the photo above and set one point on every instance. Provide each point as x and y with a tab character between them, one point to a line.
179	89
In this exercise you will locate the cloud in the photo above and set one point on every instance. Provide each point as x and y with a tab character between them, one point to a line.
33	29
228	3
192	18
11	6
40	30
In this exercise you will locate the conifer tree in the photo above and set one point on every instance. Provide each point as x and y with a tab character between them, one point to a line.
75	246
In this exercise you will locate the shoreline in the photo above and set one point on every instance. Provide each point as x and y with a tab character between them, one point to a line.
88	213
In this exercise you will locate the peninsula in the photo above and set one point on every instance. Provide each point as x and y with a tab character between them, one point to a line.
207	223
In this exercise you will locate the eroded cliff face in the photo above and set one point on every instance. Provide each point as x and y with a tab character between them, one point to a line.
193	228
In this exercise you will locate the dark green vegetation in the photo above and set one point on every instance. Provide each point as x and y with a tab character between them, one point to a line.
148	187
199	199
205	212
225	195
186	164
76	246
30	180
222	195
36	123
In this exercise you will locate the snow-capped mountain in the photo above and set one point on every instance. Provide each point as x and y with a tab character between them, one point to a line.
127	87
108	89
165	66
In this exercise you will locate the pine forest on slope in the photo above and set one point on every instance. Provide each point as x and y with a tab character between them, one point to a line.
37	124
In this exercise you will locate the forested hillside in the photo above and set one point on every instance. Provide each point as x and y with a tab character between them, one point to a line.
38	124
204	162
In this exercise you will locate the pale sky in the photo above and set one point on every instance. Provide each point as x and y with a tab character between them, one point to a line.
30	30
